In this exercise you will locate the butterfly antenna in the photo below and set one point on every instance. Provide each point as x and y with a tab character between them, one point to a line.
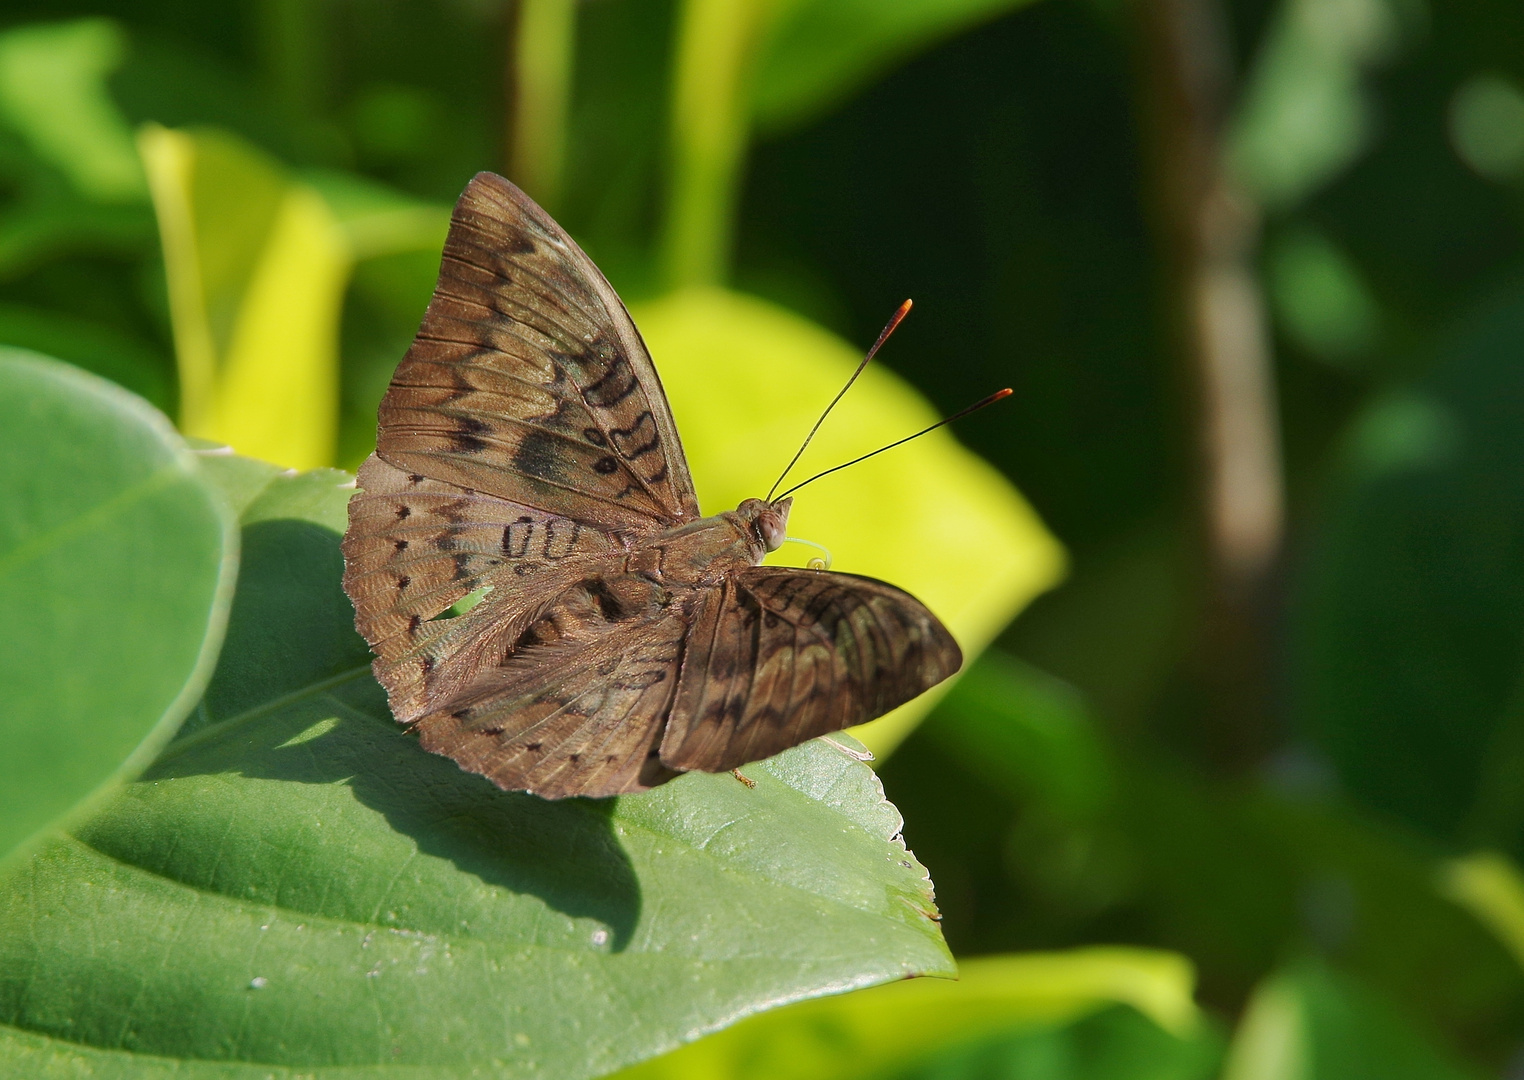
959	415
894	320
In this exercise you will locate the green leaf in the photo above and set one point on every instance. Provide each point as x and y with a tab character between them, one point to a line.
1491	887
296	887
1030	734
95	347
116	564
377	220
1116	1044
820	51
53	91
868	1033
747	379
1305	114
1307	1022
1410	615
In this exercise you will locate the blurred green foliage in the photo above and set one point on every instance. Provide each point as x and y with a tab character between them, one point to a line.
198	199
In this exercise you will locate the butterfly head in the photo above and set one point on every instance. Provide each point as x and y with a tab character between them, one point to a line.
767	522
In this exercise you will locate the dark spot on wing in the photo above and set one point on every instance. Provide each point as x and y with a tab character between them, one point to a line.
539	456
605	465
594	436
403	511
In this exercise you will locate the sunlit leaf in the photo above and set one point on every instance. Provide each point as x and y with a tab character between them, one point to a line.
116	564
862	1034
819	51
296	887
257	265
747	379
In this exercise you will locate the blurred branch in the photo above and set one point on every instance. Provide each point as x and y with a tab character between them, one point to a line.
540	83
1210	228
710	104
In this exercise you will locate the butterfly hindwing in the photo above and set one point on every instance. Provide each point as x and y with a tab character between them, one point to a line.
528	381
777	656
579	709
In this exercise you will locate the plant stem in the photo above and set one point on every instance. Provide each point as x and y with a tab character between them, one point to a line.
544	51
1210	231
710	106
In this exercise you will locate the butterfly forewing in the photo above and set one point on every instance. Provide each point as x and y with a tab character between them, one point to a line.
778	656
528	380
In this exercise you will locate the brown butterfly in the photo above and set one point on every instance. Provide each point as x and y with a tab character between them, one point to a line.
526	447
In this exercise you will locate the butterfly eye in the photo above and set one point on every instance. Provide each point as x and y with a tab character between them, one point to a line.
769	531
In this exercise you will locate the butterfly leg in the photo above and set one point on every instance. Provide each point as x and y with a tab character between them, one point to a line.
743	778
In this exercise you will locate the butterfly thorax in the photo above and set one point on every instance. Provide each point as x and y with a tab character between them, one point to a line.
702	552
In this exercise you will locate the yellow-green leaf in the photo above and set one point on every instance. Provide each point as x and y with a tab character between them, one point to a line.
1309	1022
860	1034
256	265
747	379
1489	885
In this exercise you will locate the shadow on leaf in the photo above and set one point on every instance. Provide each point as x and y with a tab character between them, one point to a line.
312	714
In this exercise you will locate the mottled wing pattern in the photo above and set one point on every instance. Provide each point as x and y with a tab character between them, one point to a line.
529	382
524	429
415	546
580	707
777	656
